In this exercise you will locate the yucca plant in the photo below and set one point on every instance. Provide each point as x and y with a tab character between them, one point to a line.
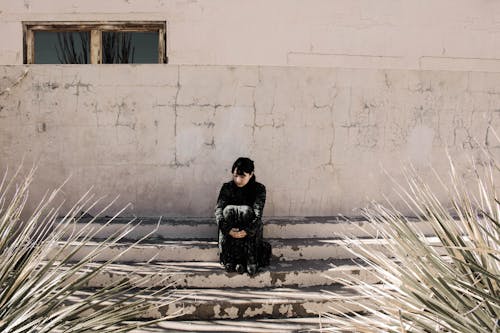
41	288
451	286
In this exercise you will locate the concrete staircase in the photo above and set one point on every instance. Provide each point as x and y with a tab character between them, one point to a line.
288	296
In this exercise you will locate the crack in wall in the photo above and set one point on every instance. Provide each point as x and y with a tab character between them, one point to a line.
176	162
122	107
254	106
211	144
330	107
459	125
489	128
78	85
206	105
49	85
96	112
332	143
265	114
274	99
387	82
18	81
211	126
367	130
276	124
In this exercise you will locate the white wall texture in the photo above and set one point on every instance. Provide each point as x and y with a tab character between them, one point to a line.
165	136
320	93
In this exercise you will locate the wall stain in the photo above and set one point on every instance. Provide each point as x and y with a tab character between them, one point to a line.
41	127
78	85
123	116
211	144
208	124
49	85
176	164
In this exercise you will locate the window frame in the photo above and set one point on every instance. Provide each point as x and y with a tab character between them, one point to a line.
96	29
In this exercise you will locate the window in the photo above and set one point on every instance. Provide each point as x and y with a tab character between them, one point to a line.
94	42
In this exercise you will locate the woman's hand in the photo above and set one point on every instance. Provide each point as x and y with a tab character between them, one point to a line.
236	233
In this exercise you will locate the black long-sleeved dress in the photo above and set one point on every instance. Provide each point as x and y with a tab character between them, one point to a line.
251	249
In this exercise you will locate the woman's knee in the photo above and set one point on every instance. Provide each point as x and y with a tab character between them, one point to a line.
233	210
247	212
229	211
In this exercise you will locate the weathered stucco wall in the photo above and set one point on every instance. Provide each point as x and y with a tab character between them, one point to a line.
164	137
416	34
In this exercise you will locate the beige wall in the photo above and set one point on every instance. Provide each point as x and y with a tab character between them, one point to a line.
418	34
164	136
321	93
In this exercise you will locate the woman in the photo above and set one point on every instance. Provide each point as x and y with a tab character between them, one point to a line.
239	217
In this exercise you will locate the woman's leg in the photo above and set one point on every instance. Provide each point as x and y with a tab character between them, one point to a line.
238	216
231	250
243	217
240	251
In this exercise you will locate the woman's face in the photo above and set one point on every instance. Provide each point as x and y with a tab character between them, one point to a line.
241	180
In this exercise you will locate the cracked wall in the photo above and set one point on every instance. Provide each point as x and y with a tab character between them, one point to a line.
163	137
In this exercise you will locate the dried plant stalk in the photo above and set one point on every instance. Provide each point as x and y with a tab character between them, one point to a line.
40	290
424	290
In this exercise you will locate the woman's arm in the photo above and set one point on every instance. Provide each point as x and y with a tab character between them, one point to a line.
258	208
222	202
260	201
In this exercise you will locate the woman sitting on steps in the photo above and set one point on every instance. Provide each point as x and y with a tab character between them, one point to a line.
239	218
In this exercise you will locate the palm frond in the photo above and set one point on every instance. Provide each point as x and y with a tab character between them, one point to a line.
42	289
452	286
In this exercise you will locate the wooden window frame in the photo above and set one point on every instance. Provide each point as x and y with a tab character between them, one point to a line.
96	29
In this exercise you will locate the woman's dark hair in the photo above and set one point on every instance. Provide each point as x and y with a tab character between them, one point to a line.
243	165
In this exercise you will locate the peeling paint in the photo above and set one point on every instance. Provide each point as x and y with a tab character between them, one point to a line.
232	312
258	311
278	278
286	310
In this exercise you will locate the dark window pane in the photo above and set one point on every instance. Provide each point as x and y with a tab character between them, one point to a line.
53	47
129	47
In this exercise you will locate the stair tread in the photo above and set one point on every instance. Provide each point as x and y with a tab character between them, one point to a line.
206	228
215	267
301	273
278	220
240	303
204	243
231	325
263	295
248	295
211	220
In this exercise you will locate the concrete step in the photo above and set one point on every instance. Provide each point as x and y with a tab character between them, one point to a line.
205	228
204	250
253	303
299	273
282	325
261	303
